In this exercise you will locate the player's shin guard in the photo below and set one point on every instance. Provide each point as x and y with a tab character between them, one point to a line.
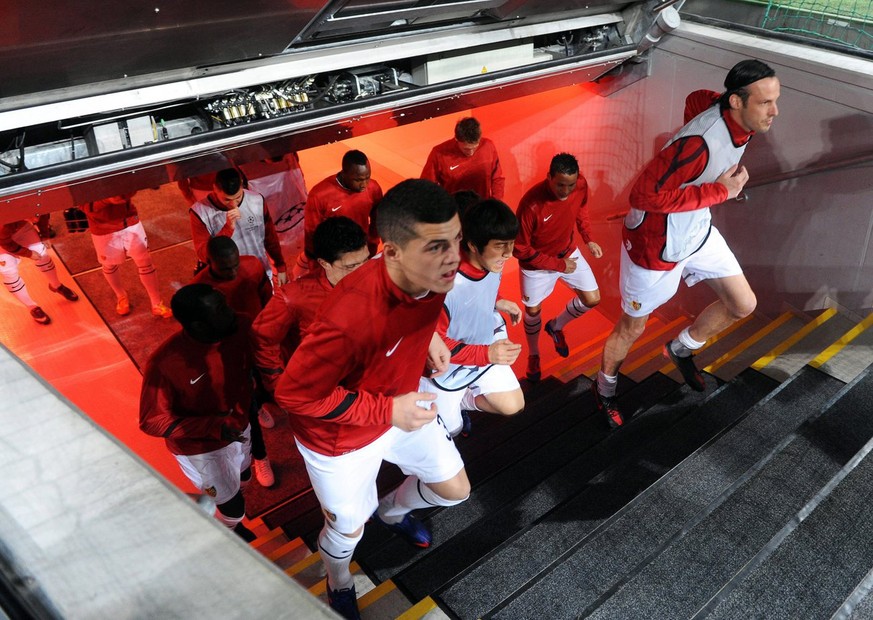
336	552
532	327
409	496
19	291
574	309
47	266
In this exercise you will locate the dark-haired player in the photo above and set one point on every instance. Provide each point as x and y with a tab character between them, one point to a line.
232	211
351	386
196	392
668	235
552	215
466	162
351	192
480	376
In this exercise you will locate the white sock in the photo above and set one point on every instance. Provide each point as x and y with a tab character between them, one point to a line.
47	266
113	278
684	344
149	278
606	384
409	496
336	553
19	291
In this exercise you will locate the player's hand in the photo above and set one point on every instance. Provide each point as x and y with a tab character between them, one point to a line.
734	180
438	356
282	277
231	434
407	413
233	216
510	308
503	352
569	265
595	249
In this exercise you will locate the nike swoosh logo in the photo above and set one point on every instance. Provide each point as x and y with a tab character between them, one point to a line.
546	219
335	209
193	381
453	167
394	348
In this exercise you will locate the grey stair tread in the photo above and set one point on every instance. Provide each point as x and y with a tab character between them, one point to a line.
670	506
804	351
495	580
859	604
724	344
695	568
819	563
467	532
852	359
753	351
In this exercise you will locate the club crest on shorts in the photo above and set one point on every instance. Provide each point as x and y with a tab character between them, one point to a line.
330	515
636	305
210	491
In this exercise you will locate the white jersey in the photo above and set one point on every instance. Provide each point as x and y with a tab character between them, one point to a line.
472	320
250	230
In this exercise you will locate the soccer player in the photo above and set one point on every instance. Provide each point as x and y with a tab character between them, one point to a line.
351	385
467	162
350	192
480	376
552	216
668	235
244	284
196	393
117	233
20	240
232	211
340	247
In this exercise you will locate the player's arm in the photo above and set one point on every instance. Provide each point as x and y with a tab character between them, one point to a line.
373	238
199	235
311	384
659	187
430	172
498	181
268	331
312	217
272	245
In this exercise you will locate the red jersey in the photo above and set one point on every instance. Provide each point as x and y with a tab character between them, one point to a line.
10	245
280	326
466	323
481	172
368	344
548	226
110	215
190	389
248	293
330	199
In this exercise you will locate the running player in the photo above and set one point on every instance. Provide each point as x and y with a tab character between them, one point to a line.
552	215
232	211
480	376
196	392
350	192
467	162
668	235
351	385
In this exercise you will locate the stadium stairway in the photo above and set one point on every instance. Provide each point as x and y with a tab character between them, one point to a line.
749	500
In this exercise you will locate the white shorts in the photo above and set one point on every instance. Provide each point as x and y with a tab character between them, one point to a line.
26	237
644	290
497	378
346	485
537	284
217	473
113	248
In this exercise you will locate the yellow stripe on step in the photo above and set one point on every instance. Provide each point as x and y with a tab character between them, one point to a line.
376	593
797	337
838	346
288	547
418	611
319	588
628	368
302	564
722	334
745	344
